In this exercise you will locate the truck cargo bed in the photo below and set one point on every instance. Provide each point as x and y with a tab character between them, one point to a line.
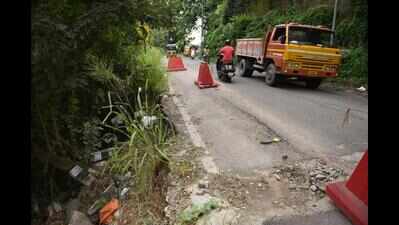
250	47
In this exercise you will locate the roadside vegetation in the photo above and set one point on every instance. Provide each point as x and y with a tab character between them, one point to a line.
97	81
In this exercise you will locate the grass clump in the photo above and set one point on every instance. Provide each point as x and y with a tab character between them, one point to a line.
193	214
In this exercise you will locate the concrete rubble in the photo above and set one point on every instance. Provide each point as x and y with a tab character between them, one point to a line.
314	177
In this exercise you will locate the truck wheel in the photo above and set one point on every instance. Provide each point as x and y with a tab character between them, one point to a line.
243	68
313	83
271	76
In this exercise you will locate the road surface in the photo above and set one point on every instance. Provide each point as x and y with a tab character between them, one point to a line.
232	119
235	117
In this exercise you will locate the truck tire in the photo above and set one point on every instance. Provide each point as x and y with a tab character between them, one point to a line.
313	83
271	76
244	68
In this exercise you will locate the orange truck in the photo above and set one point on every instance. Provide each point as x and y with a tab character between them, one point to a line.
290	51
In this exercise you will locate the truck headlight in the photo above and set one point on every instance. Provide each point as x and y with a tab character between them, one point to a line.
292	65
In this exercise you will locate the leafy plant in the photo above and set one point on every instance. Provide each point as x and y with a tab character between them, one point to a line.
192	214
142	147
355	67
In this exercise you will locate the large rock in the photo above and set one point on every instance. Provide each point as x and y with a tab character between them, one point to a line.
78	218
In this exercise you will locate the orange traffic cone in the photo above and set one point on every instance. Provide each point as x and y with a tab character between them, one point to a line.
205	79
352	196
175	63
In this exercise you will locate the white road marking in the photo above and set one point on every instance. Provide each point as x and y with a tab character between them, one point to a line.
207	161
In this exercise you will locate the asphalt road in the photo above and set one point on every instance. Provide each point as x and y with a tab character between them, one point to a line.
233	118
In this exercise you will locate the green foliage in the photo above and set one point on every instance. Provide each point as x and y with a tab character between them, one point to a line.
130	99
84	53
319	15
191	215
354	65
145	145
92	136
353	31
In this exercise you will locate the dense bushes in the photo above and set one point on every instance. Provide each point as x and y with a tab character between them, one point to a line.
354	66
85	53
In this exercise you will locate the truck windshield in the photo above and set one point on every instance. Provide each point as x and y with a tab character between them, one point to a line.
309	36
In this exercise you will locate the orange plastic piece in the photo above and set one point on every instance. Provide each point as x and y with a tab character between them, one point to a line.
108	210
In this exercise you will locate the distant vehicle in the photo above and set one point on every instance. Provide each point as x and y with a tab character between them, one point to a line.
171	49
290	50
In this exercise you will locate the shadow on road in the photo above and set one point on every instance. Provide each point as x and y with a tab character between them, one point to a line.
292	85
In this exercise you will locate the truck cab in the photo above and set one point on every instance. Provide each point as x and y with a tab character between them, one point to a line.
291	50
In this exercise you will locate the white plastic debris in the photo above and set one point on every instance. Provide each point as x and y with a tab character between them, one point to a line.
75	171
361	89
124	191
148	120
276	139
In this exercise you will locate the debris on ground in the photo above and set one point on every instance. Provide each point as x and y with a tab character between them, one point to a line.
203	184
274	140
311	176
361	89
82	175
148	121
107	212
123	192
101	155
96	206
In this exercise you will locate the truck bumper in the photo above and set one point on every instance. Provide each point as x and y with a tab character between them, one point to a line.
308	73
